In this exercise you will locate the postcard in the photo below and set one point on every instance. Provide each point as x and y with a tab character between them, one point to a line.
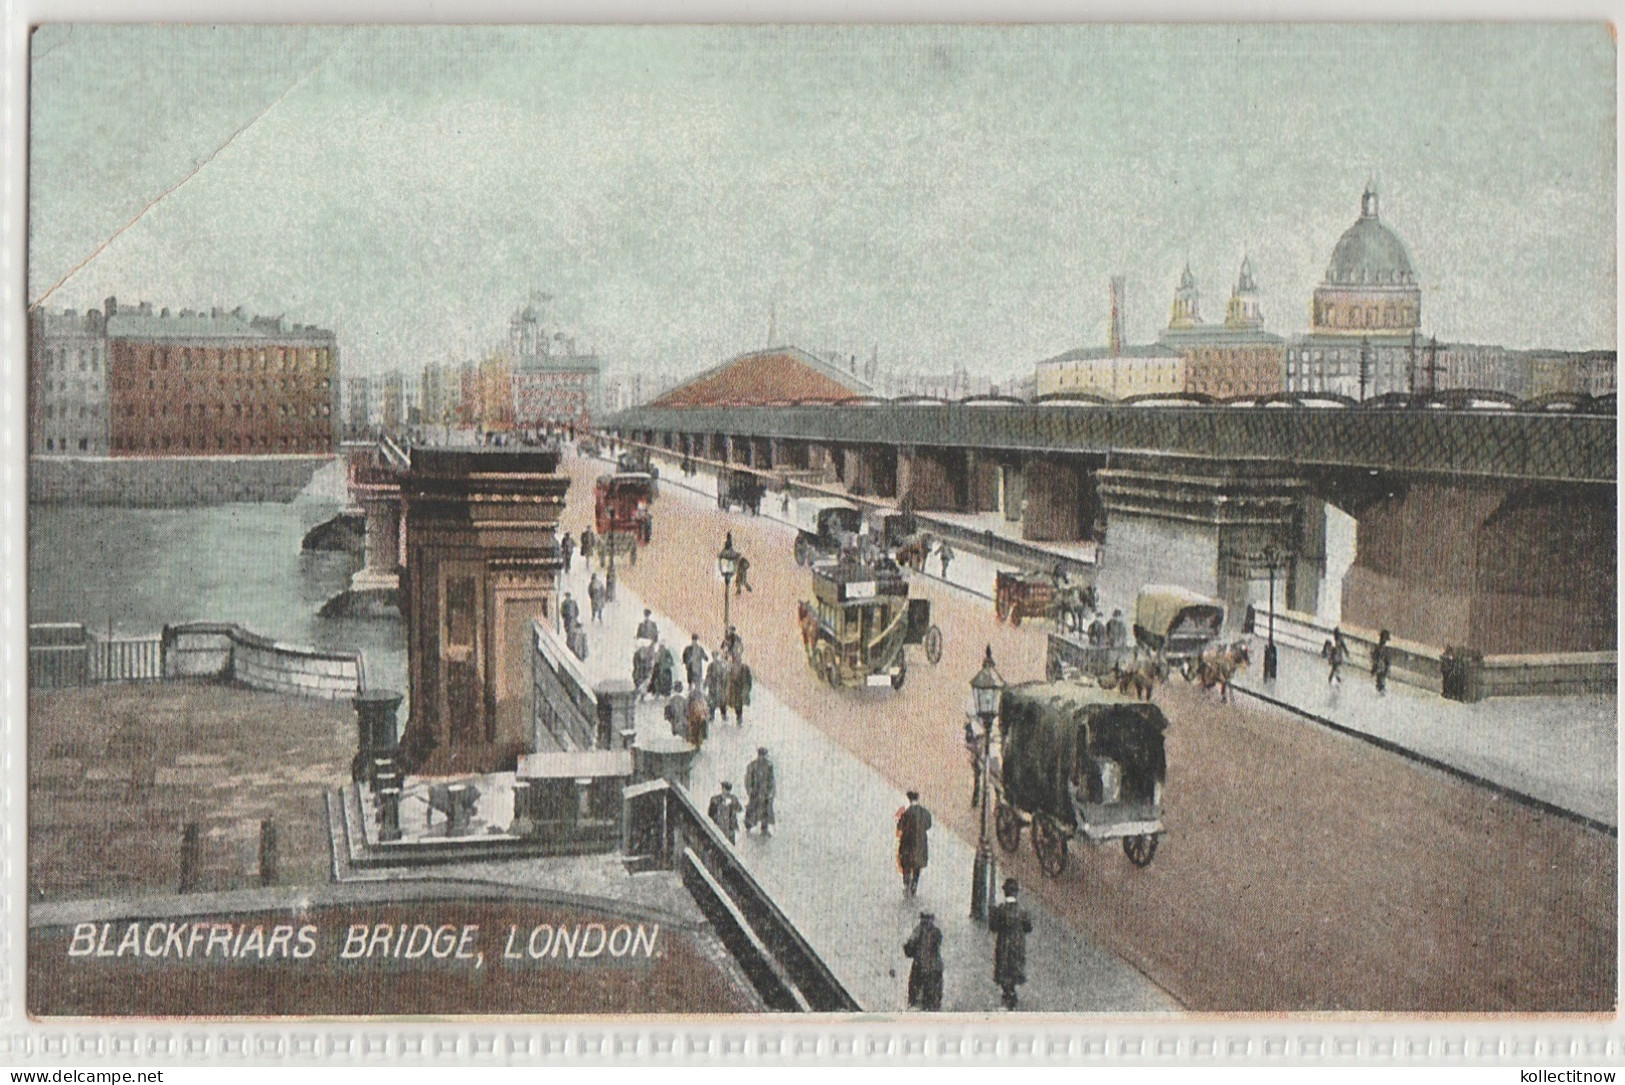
1101	527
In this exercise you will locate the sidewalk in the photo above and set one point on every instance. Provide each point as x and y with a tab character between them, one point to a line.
1559	750
832	864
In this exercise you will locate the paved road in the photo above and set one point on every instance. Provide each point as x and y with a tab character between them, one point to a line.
1303	870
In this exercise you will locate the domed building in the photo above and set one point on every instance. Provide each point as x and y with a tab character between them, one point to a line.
1365	317
1370	287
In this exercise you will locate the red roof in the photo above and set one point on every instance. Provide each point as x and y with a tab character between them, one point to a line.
769	376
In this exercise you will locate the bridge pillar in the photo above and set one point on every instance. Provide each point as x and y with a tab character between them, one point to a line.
1193	525
931	479
481	563
1057	499
380	570
872	470
1013	490
985	482
1503	569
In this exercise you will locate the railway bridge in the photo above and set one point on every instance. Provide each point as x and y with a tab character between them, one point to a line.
1492	529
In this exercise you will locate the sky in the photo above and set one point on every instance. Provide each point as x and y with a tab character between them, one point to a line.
938	196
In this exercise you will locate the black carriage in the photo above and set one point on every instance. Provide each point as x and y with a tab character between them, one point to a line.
745	489
822	523
1079	762
858	623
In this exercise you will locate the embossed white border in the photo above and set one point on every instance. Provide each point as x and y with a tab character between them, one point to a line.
904	1041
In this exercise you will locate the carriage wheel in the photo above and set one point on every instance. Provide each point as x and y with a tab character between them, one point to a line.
1140	849
1007	827
933	645
1049	845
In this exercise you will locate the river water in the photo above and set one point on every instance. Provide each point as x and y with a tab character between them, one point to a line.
137	570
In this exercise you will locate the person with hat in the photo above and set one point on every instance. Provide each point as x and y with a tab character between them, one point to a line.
759	788
647	629
1010	925
595	596
569	613
567	549
724	811
925	974
913	851
695	658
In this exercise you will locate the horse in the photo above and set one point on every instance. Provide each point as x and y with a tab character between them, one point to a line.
912	552
809	626
1216	667
1140	677
729	682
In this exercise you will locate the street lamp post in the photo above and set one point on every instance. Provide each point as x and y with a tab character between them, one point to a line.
986	686
727	565
1272	557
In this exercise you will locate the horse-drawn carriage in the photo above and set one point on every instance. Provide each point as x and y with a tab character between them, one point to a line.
858	623
821	523
736	486
1078	762
1018	595
1176	624
621	506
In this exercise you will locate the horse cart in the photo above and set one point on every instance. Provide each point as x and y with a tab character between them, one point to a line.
742	488
821	524
859	622
1018	595
1176	624
1078	762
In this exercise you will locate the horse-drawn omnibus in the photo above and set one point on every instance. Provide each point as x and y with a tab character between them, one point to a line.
621	506
1076	762
860	620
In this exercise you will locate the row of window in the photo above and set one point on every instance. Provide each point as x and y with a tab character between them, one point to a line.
63	358
240	358
1333	315
307	386
236	442
201	411
66	411
63	387
61	444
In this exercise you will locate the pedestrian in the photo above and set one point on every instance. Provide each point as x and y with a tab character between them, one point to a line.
662	678
759	789
913	849
587	541
1117	630
925	974
742	578
676	712
733	645
567	546
1336	653
784	506
724	811
694	660
1097	632
1010	925
1381	661
647	629
974	746
945	554
569	613
595	596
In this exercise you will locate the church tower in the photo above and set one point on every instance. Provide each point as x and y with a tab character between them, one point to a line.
1244	310
1187	311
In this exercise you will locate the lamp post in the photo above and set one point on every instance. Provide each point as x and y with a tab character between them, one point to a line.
986	686
1272	558
727	565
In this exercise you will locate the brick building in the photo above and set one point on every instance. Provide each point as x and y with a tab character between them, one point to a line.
553	384
1236	358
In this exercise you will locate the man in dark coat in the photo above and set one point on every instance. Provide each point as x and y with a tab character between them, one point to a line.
759	790
694	661
1010	925
595	596
913	851
724	811
647	629
925	975
733	644
742	577
662	678
586	543
1117	630
1381	661
569	613
567	547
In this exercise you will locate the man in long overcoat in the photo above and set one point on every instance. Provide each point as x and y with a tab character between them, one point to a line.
694	661
1010	925
662	678
913	851
567	547
647	629
925	974
569	613
595	596
760	786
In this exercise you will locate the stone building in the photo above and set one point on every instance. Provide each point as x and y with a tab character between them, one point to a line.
1236	358
1153	369
67	369
359	415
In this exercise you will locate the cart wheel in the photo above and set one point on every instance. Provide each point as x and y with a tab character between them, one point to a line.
1007	826
897	679
1049	845
1140	849
933	645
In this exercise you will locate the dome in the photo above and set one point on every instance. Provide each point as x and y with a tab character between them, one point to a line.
1369	253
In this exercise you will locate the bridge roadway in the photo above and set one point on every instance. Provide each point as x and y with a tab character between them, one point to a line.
1303	871
1504	445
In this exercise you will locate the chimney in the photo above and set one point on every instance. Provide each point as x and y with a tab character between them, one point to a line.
145	308
165	313
110	307
1114	337
214	312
